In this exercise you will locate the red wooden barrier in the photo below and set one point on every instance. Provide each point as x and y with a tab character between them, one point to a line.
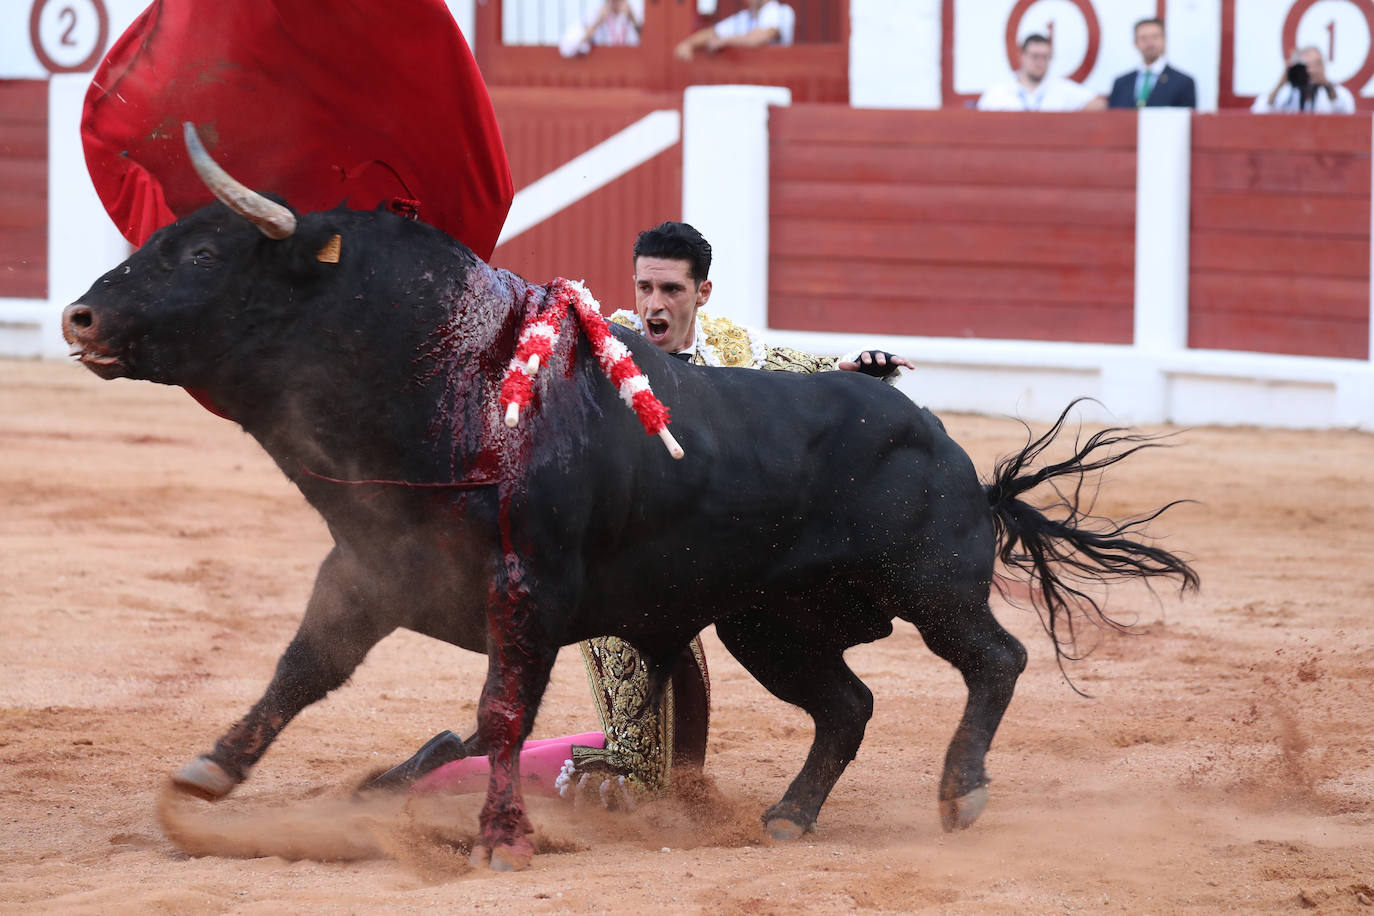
953	223
24	189
592	239
1280	235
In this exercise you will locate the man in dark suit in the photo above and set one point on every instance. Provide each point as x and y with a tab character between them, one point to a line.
1154	82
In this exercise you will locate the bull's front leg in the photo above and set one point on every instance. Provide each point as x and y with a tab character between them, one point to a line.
338	631
518	668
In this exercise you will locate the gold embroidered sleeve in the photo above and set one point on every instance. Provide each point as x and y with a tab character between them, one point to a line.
785	359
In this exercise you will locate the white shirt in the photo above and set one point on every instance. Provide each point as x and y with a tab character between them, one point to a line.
1053	94
617	30
1288	100
772	15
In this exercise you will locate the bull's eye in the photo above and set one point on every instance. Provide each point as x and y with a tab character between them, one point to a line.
204	257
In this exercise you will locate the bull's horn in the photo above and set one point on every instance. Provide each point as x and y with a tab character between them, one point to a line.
275	221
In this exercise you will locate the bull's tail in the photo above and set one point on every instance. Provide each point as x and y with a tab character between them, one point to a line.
1074	550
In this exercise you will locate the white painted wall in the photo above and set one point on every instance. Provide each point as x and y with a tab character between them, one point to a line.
1162	205
725	190
464	13
1194	28
894	53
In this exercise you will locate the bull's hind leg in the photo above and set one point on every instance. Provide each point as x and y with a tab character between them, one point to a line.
990	660
811	674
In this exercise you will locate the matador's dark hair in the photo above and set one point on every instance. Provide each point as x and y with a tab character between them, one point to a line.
676	242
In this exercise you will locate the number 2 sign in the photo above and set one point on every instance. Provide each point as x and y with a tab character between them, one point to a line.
68	36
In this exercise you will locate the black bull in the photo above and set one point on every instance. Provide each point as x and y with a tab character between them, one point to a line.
808	513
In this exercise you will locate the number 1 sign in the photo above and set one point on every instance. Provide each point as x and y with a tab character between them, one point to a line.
1259	35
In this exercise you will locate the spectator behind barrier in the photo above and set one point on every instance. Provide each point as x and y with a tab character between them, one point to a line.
1154	83
1030	89
765	22
615	24
1303	87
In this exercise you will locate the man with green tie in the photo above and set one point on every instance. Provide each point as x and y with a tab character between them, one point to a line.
1154	82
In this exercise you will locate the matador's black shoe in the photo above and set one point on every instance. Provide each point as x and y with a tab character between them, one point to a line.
443	748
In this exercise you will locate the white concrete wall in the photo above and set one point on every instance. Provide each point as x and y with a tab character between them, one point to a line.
894	53
1195	45
725	190
464	13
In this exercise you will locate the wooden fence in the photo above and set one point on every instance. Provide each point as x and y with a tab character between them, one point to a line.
24	189
1022	226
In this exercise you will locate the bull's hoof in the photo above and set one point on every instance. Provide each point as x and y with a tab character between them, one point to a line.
512	856
783	830
205	779
959	813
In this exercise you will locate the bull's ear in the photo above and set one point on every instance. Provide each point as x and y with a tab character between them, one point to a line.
329	254
317	248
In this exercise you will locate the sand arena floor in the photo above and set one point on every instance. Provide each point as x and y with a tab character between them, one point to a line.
153	563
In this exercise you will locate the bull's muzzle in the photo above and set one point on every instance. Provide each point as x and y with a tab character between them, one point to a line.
81	330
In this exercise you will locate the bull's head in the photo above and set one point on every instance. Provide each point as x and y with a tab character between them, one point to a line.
198	288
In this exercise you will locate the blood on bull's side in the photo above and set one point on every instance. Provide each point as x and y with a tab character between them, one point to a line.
366	354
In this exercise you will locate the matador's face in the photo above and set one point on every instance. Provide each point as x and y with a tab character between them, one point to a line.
666	300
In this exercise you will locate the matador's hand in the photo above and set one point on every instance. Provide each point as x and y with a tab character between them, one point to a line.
877	363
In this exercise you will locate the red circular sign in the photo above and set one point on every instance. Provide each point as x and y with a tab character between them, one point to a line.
70	19
1289	39
1018	13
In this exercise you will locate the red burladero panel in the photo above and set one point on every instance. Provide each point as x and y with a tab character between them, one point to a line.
1280	235
591	240
24	189
953	223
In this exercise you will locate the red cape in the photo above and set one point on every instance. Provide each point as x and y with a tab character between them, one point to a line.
346	101
357	101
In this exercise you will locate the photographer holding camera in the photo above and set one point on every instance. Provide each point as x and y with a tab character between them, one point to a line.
1305	88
